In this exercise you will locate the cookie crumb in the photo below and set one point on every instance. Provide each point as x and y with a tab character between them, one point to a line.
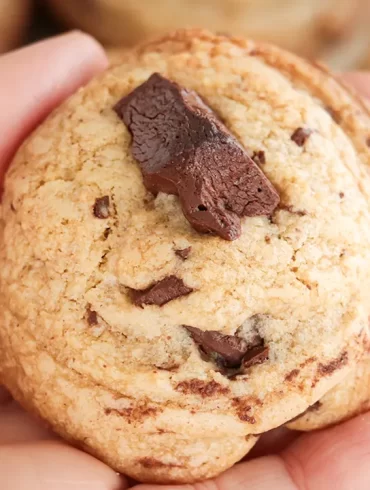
101	207
301	135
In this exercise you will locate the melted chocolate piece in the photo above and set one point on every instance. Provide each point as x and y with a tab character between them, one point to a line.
233	351
161	292
91	316
101	207
184	149
257	355
259	157
301	135
183	253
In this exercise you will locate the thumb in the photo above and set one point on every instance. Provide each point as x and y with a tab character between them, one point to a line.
37	78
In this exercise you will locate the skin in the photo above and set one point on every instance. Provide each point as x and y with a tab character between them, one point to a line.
31	457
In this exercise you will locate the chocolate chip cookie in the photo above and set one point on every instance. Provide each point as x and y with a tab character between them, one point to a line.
186	254
309	27
13	19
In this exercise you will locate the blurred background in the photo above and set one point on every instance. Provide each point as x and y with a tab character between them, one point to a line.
337	32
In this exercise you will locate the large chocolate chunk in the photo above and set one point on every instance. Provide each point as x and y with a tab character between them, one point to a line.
184	149
232	351
161	292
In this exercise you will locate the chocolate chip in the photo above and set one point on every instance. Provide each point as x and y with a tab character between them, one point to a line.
184	149
91	316
259	157
368	141
341	195
267	239
228	350
161	292
101	207
301	135
257	355
183	253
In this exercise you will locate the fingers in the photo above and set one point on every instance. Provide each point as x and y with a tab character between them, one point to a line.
37	78
315	461
18	426
339	455
360	81
54	466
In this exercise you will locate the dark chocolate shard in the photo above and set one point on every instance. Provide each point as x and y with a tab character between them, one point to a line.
232	351
301	135
183	253
259	157
101	207
184	149
161	292
256	355
91	316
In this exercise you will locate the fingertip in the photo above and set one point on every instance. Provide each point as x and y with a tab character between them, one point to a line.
37	78
359	80
86	47
53	465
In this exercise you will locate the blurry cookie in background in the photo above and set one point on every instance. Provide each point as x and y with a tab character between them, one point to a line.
327	29
14	16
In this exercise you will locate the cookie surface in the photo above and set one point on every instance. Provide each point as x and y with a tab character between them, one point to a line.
14	15
81	231
306	27
349	398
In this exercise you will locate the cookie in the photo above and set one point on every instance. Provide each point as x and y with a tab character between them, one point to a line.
186	254
349	398
309	28
14	15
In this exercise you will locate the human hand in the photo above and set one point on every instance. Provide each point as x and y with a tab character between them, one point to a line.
33	81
